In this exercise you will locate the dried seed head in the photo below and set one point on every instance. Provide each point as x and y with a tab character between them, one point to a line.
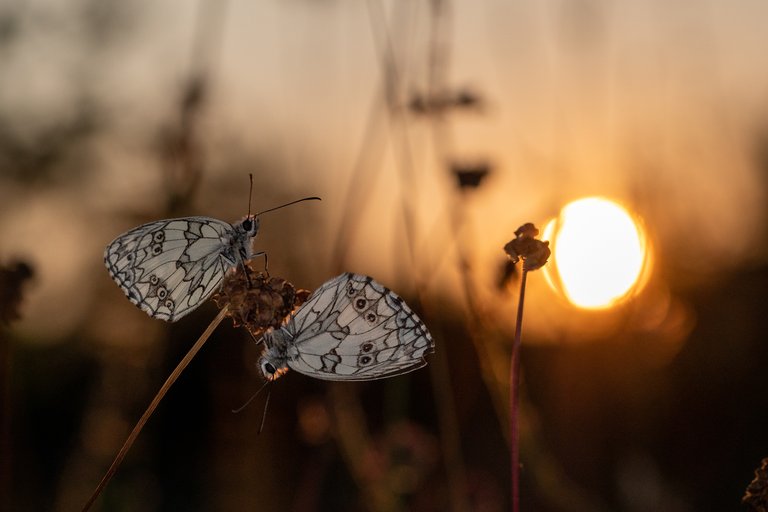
525	246
470	175
12	279
756	498
258	301
441	102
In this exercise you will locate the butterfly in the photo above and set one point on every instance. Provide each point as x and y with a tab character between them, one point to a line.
351	328
170	267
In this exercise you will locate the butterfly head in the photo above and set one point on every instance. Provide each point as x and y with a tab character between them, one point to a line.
270	369
250	225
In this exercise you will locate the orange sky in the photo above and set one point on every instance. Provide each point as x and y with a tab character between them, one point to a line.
654	104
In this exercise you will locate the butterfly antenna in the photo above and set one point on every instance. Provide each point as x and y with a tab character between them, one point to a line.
250	193
313	198
240	409
266	404
250	197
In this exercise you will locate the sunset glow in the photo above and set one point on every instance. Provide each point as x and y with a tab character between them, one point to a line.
599	253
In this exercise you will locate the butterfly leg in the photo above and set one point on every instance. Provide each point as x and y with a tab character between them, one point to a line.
259	340
266	260
245	273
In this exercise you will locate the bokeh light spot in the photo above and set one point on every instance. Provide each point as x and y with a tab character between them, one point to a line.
599	253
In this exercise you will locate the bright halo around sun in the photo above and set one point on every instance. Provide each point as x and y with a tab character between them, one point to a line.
599	253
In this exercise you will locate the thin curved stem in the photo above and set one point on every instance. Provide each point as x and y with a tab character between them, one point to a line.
153	405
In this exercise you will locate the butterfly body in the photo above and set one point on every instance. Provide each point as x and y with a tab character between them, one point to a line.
351	328
169	267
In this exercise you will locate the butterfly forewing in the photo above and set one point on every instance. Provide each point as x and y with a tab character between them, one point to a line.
169	267
353	328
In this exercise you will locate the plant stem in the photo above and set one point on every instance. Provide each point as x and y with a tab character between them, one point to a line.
153	405
514	398
6	413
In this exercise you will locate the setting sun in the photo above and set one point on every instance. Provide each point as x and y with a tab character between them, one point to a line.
599	252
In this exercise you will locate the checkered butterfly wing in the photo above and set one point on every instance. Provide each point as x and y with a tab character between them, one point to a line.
169	267
353	328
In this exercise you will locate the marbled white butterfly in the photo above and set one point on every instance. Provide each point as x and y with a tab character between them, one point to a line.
351	328
170	267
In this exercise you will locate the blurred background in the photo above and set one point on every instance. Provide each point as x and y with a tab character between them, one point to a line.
432	130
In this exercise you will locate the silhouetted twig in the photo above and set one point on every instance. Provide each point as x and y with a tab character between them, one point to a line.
153	405
534	254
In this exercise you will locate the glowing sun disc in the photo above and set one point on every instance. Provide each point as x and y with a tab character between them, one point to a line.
599	252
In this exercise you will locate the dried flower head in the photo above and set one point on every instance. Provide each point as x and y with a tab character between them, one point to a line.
440	103
470	175
525	246
258	301
756	497
12	278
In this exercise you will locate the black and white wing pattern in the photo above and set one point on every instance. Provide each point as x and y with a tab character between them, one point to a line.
169	267
351	328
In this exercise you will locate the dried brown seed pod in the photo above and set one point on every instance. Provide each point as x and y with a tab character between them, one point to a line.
258	301
525	246
12	279
470	175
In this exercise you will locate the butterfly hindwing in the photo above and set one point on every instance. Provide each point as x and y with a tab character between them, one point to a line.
353	328
169	267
